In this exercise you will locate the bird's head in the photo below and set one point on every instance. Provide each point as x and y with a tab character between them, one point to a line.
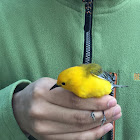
66	79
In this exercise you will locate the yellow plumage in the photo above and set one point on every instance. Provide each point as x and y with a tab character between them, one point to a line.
83	81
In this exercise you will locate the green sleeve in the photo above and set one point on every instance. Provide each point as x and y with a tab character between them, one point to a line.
9	129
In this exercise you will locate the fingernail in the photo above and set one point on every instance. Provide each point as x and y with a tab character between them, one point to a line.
108	127
116	111
112	103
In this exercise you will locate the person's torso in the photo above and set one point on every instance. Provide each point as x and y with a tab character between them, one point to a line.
41	38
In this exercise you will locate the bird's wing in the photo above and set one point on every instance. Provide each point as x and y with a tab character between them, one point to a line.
105	75
96	72
92	73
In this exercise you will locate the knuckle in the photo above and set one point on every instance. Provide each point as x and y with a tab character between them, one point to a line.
36	127
97	107
86	136
76	102
40	128
97	135
81	137
81	119
37	92
100	105
34	112
116	110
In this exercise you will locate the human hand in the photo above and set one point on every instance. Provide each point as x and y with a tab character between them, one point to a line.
60	115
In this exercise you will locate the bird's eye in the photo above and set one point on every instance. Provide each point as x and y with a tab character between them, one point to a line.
63	83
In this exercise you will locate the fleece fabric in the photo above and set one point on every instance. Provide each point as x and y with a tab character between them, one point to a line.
40	38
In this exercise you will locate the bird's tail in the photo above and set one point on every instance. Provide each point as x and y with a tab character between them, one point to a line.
118	86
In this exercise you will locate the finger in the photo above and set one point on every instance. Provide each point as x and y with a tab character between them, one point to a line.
66	98
45	127
111	114
48	111
92	134
61	114
115	118
80	119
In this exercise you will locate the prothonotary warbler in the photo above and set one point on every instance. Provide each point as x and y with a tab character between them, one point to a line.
86	81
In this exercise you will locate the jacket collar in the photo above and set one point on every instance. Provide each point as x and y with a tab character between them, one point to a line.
105	6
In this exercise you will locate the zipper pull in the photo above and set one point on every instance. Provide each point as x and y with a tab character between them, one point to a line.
88	14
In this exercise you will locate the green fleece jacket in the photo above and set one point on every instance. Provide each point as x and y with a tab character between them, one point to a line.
40	38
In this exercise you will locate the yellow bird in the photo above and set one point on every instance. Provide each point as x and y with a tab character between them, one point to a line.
85	81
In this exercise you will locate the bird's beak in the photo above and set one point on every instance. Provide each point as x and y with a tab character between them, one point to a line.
54	86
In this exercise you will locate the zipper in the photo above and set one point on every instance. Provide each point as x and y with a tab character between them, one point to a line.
87	57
